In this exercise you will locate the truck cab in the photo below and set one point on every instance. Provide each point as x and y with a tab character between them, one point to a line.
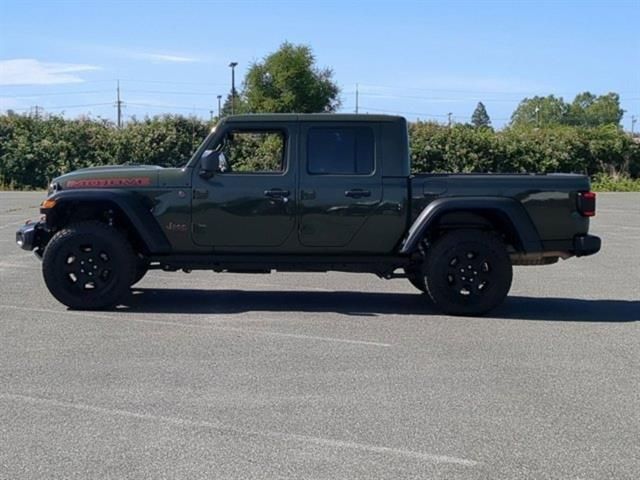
302	183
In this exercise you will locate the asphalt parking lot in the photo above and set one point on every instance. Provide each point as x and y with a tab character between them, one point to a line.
325	376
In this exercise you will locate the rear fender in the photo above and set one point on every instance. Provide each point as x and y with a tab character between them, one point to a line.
507	209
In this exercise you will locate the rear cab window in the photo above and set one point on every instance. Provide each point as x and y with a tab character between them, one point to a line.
340	151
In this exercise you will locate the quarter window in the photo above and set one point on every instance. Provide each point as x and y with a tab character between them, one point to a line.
340	151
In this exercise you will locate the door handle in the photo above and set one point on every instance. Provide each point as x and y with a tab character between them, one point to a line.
276	193
357	193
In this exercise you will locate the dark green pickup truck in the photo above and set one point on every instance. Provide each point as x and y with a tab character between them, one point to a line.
315	192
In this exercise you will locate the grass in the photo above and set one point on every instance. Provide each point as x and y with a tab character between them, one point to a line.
615	183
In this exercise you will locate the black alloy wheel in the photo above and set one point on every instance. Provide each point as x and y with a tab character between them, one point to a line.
88	265
468	272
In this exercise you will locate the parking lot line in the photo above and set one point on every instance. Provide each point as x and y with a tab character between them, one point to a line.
12	224
247	331
320	441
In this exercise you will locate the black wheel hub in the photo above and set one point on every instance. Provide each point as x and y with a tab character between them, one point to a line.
88	267
468	273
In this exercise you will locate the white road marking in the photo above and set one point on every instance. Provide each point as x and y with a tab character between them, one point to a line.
246	331
17	265
12	224
320	441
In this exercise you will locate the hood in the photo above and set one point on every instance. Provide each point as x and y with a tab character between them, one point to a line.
109	176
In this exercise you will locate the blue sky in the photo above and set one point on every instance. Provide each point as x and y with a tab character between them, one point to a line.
421	59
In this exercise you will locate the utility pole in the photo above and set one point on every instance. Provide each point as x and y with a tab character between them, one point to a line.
634	119
118	106
219	108
449	118
357	95
37	111
233	66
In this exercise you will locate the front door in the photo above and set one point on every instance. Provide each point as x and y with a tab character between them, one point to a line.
250	200
340	184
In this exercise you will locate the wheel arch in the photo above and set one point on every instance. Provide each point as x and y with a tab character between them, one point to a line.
505	215
130	212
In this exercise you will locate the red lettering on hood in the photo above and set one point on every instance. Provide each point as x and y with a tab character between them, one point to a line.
109	182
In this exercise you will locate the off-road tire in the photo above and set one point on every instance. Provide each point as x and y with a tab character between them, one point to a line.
89	266
416	278
468	272
142	267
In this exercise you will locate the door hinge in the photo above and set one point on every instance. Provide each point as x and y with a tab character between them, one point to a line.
199	193
199	228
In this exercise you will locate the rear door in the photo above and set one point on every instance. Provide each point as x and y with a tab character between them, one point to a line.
340	181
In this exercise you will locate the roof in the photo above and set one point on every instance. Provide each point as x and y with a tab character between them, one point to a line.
315	117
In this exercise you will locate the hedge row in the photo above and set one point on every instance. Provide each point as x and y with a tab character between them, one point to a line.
34	150
598	150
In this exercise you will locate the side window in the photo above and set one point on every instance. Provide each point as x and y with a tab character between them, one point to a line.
253	151
340	151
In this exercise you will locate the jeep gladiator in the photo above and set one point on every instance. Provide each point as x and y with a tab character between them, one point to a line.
307	192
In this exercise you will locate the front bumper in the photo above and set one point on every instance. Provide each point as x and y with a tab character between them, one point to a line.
584	245
31	236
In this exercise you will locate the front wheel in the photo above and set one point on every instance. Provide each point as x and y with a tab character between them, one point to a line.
468	272
88	265
416	278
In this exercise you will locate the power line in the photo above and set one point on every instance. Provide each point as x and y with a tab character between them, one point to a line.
381	110
51	94
132	80
170	92
177	107
60	107
477	92
419	97
169	82
423	114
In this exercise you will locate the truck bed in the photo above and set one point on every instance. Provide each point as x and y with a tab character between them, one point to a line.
549	199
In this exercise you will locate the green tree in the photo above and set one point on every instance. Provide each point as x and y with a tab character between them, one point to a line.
590	110
540	112
239	105
480	117
289	81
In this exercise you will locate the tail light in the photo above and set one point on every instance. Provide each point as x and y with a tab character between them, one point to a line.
587	204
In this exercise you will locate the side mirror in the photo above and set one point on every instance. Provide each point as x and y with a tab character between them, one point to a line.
209	163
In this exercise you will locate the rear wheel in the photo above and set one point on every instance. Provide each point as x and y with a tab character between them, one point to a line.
416	278
468	272
88	266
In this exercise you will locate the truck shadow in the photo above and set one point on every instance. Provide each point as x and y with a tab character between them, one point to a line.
190	301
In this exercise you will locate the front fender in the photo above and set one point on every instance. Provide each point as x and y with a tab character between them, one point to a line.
135	209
